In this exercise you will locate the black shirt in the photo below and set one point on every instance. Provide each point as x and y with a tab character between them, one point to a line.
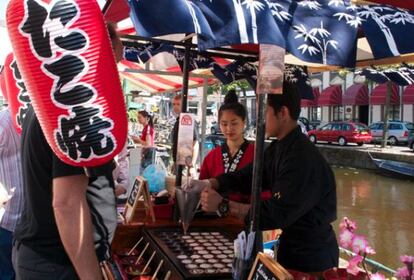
303	202
37	226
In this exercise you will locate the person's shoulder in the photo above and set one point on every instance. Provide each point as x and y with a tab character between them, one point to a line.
250	148
214	152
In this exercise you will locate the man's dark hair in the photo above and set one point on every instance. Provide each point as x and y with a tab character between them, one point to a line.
290	99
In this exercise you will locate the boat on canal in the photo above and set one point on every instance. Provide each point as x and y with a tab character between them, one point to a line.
398	167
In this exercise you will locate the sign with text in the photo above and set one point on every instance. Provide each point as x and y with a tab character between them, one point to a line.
266	268
185	139
271	69
139	199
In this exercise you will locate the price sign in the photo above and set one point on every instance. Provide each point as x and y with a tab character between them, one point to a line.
266	268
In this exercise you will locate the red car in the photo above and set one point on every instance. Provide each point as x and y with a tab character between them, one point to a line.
341	132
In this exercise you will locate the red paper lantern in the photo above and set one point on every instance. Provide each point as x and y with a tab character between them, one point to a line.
66	59
18	98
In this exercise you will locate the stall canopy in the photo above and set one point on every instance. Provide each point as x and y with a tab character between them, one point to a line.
311	102
408	95
158	81
331	96
379	93
118	10
290	24
356	94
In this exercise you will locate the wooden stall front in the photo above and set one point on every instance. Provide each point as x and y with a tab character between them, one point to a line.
206	252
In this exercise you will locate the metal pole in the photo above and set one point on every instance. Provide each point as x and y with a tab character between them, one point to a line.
387	108
258	172
203	118
184	97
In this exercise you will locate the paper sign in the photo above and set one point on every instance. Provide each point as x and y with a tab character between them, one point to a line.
271	69
266	268
185	139
139	198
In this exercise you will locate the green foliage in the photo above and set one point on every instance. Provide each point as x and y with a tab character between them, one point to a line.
132	115
236	85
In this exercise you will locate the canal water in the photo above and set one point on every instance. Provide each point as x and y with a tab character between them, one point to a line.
383	208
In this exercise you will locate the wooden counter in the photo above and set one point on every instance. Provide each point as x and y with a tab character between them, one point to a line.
126	235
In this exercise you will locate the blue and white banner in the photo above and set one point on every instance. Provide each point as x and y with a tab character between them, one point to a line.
402	76
316	31
386	29
143	53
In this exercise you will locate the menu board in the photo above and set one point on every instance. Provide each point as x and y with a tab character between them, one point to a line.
266	268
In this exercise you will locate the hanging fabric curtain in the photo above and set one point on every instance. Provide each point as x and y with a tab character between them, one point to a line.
402	76
289	24
316	31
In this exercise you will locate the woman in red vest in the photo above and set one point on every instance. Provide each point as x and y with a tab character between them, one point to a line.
147	135
236	152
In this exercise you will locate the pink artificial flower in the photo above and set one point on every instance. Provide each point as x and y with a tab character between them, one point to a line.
359	244
370	251
347	224
345	238
377	276
353	263
407	259
343	224
402	273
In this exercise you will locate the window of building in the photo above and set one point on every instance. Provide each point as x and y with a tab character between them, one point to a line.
338	113
393	112
193	107
316	113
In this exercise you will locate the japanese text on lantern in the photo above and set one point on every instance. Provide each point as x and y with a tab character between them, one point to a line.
22	96
83	133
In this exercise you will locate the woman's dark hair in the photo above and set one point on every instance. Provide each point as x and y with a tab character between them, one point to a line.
146	115
231	103
290	99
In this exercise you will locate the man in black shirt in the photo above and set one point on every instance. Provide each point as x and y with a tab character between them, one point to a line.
63	232
303	187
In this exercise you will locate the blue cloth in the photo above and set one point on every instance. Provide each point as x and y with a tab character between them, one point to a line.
402	76
6	245
313	33
318	31
386	29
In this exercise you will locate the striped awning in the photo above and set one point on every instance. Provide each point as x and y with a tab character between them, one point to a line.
331	96
311	102
379	95
168	80
356	94
408	95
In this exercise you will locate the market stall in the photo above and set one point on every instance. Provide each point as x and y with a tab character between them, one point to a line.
309	51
